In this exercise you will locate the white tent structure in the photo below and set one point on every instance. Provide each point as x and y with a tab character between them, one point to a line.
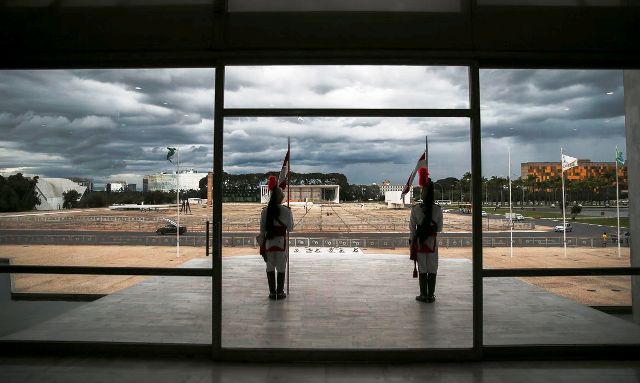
50	192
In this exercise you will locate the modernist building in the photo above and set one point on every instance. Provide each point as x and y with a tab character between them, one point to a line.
306	193
86	182
166	181
117	186
387	186
545	171
51	192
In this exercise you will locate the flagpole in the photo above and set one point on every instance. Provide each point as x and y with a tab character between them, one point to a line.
178	198
510	208
288	204
618	202
426	152
564	217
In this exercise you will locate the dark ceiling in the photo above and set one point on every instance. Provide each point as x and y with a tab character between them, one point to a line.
115	33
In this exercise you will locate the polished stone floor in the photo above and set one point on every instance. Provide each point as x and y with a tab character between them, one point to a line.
17	315
335	301
81	370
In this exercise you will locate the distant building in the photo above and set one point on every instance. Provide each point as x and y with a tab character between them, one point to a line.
131	187
51	190
545	171
117	186
166	181
394	198
306	193
388	187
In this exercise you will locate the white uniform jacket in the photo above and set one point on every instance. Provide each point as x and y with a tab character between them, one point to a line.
417	216
279	242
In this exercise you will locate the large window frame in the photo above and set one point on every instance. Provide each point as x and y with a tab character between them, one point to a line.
282	354
478	350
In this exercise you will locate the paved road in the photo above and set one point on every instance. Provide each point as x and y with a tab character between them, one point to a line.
582	230
582	235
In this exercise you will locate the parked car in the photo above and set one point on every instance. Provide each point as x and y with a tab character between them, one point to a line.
170	229
484	213
560	228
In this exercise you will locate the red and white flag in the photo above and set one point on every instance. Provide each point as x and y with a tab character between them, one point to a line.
282	178
422	162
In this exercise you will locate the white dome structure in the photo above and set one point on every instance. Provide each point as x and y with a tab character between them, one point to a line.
50	192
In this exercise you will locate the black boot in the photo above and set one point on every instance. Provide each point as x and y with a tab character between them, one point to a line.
271	278
280	292
423	287
431	297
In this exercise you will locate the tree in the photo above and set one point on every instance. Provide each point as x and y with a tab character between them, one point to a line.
531	180
70	198
18	193
94	199
202	187
575	210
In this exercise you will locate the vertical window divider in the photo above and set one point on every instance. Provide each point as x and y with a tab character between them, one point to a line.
216	219
476	219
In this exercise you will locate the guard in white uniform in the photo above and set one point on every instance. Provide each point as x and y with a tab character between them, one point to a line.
423	236
276	221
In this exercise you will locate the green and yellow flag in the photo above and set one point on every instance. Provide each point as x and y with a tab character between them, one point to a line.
172	151
619	158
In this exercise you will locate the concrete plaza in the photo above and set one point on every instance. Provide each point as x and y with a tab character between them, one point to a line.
336	301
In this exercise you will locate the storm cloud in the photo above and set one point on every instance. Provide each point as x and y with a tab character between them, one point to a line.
116	124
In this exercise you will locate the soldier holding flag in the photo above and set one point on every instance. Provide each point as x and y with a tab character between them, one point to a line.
276	221
424	225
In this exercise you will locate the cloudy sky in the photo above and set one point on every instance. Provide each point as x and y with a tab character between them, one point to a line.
115	124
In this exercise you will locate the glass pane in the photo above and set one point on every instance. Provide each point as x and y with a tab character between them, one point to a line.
559	310
85	179
335	5
557	3
533	114
347	87
133	309
102	3
350	274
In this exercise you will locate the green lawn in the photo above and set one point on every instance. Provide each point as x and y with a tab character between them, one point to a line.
624	222
527	213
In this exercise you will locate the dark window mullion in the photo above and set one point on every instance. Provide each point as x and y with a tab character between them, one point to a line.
108	270
560	272
350	112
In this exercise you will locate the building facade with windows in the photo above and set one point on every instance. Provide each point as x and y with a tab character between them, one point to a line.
546	171
166	181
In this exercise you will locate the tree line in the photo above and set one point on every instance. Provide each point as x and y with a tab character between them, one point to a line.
601	188
19	193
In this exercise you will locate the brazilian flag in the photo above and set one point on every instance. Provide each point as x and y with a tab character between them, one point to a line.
172	151
619	158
